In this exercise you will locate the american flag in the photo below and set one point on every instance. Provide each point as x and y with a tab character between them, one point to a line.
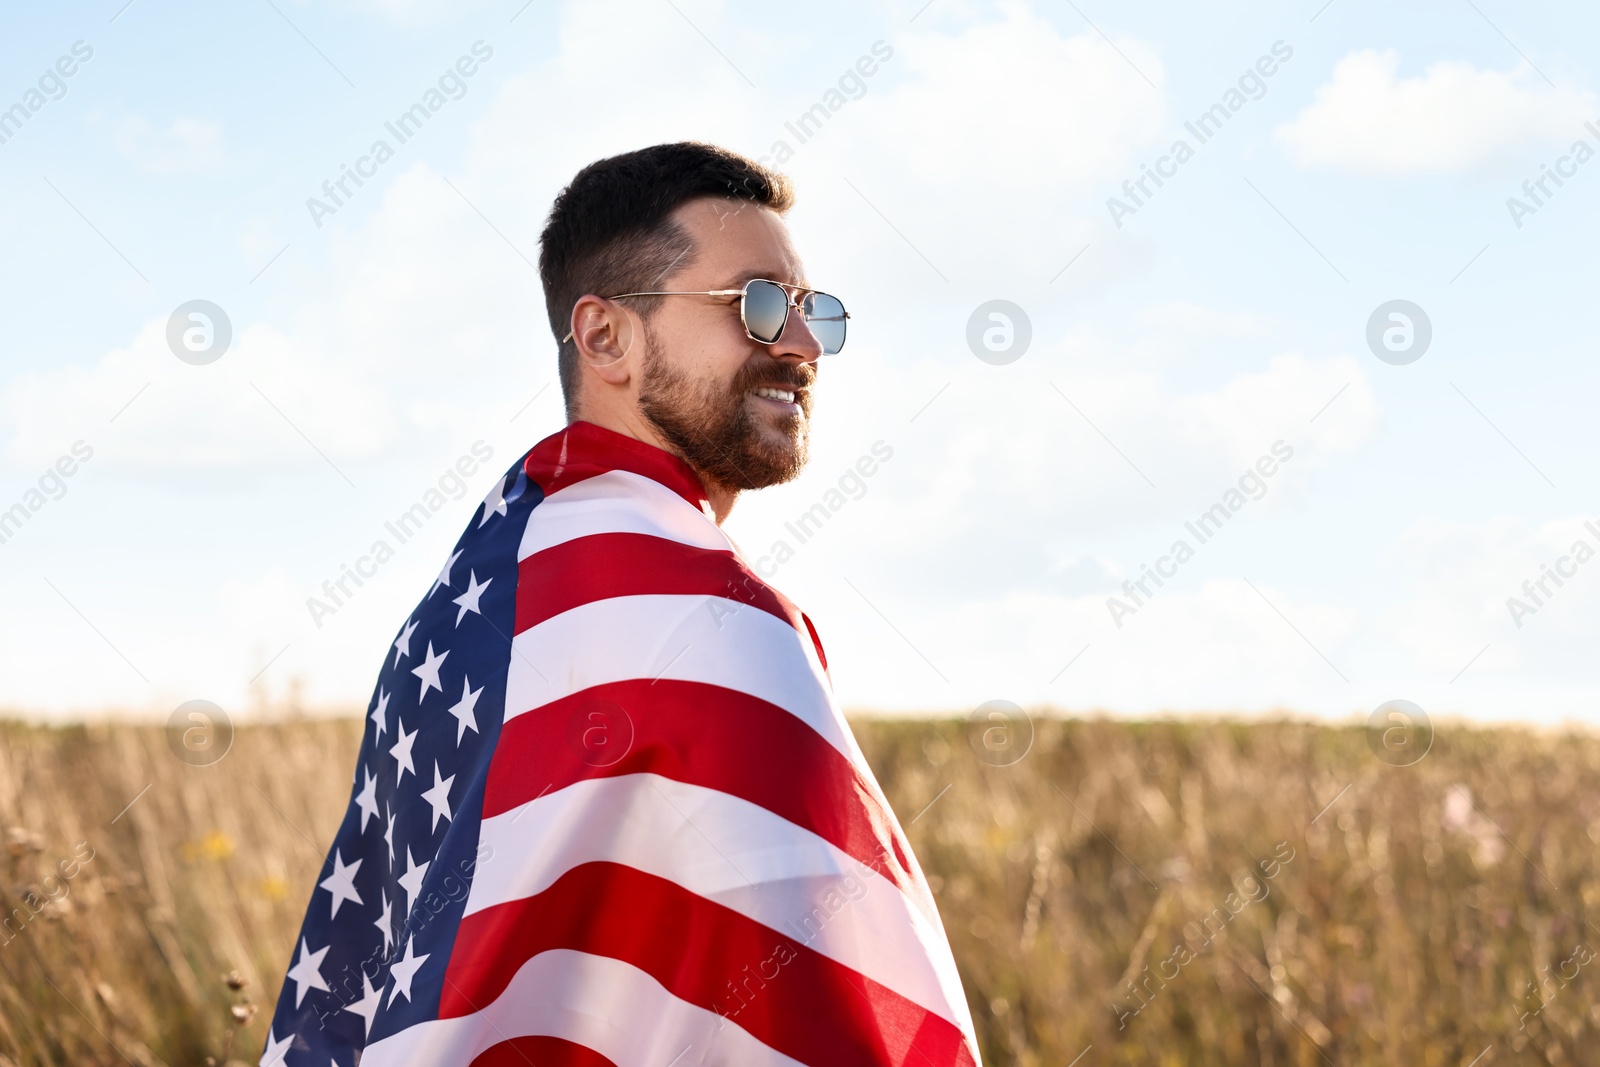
607	811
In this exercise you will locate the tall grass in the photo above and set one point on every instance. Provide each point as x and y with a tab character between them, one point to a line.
1128	893
195	873
1431	914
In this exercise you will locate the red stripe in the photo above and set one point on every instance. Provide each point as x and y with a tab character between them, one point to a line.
584	449
599	566
788	996
540	1052
703	735
815	640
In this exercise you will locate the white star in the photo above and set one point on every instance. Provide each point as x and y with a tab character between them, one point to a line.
411	881
404	970
367	1006
342	882
401	751
439	796
276	1050
444	576
428	671
462	710
402	644
495	502
385	922
367	800
469	599
388	838
307	971
380	714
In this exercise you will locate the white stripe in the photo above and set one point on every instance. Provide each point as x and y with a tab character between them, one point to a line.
733	852
618	502
687	638
600	1003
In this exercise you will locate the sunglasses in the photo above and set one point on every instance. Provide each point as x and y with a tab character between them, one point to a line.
764	308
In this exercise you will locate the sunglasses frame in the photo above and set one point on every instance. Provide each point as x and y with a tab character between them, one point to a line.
742	293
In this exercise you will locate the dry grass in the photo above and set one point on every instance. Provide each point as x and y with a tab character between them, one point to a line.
1405	929
208	872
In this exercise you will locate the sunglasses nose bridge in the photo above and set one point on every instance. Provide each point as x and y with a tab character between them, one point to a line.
791	343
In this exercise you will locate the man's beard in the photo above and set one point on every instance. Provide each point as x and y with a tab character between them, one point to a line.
712	425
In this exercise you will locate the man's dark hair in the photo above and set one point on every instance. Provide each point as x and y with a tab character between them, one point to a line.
609	230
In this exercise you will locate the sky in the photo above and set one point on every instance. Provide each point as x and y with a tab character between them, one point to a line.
1349	318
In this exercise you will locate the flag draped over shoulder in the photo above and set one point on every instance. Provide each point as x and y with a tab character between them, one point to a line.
607	811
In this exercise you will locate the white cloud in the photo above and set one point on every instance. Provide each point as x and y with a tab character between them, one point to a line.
1433	627
1217	648
977	183
953	117
1191	321
1369	120
429	306
1460	579
1001	471
174	421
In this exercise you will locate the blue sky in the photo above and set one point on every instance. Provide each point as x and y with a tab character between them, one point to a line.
1171	348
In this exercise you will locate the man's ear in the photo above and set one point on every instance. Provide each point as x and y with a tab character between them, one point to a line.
603	332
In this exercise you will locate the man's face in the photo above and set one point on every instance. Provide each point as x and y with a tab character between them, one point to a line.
702	379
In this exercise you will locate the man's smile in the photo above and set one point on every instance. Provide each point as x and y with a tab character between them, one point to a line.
777	398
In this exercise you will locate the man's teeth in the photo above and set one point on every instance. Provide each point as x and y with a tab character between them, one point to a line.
775	394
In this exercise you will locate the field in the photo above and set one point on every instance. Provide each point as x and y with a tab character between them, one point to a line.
1125	893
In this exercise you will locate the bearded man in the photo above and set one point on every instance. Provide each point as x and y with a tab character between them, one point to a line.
606	809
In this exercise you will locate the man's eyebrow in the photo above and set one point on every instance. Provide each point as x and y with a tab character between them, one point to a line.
738	280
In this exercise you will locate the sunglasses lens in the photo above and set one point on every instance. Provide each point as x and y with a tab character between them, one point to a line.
825	316
766	307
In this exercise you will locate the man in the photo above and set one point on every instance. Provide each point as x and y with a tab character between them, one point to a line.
606	809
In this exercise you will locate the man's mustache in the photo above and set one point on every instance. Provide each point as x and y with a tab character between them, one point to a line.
775	373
